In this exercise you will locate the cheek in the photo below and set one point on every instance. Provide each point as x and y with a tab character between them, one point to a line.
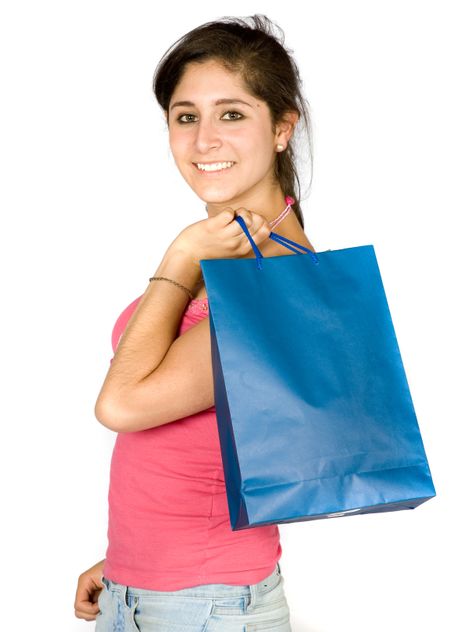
245	147
179	148
257	142
261	152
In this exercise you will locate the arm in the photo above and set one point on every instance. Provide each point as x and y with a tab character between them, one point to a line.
129	400
154	378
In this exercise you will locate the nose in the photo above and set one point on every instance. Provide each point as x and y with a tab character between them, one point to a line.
208	135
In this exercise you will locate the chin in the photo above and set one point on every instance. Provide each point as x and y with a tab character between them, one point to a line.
214	198
219	192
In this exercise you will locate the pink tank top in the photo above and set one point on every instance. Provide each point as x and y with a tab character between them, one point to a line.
169	524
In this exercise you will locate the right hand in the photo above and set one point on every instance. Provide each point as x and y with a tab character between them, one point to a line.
88	590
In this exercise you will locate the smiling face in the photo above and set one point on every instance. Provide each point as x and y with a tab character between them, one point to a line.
204	131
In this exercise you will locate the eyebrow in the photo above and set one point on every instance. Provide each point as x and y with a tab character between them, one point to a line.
218	102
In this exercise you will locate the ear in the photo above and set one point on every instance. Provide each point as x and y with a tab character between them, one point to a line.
285	128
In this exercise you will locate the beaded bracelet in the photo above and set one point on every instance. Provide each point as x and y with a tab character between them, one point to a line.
191	296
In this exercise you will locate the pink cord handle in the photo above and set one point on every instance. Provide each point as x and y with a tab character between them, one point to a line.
289	200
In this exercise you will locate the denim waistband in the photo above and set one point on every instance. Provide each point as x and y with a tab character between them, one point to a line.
205	590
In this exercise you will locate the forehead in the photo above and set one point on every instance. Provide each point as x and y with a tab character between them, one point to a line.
209	82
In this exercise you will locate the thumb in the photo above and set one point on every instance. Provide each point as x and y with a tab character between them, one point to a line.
227	215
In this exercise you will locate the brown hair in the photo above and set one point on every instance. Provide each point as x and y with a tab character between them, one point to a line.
267	69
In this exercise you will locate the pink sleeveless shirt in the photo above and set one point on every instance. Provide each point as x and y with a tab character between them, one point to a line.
169	524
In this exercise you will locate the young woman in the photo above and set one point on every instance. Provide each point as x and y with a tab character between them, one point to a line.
231	96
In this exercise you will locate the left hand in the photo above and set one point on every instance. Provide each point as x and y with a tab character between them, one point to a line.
221	237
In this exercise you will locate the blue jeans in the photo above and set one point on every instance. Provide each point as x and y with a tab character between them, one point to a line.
206	608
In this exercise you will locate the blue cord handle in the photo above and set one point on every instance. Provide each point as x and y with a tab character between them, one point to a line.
284	241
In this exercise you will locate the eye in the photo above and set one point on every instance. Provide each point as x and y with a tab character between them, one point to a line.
241	116
235	119
183	115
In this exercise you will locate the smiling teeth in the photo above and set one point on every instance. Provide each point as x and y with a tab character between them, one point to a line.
216	166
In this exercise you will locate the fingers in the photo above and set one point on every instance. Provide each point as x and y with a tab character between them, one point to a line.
86	610
86	606
252	220
257	225
226	215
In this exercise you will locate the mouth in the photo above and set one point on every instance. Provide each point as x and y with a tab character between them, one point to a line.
213	168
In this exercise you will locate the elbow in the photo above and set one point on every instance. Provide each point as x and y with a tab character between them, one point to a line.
108	415
119	418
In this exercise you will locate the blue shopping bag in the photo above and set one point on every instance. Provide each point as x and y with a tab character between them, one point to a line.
314	412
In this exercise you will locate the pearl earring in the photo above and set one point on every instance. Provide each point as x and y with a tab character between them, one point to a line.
280	147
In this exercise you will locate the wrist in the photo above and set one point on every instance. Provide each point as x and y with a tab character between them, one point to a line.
181	266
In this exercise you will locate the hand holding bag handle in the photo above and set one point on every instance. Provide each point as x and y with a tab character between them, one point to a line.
284	241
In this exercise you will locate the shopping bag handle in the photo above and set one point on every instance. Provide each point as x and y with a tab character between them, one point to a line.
284	241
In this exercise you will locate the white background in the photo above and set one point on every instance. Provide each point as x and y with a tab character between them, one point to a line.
90	199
